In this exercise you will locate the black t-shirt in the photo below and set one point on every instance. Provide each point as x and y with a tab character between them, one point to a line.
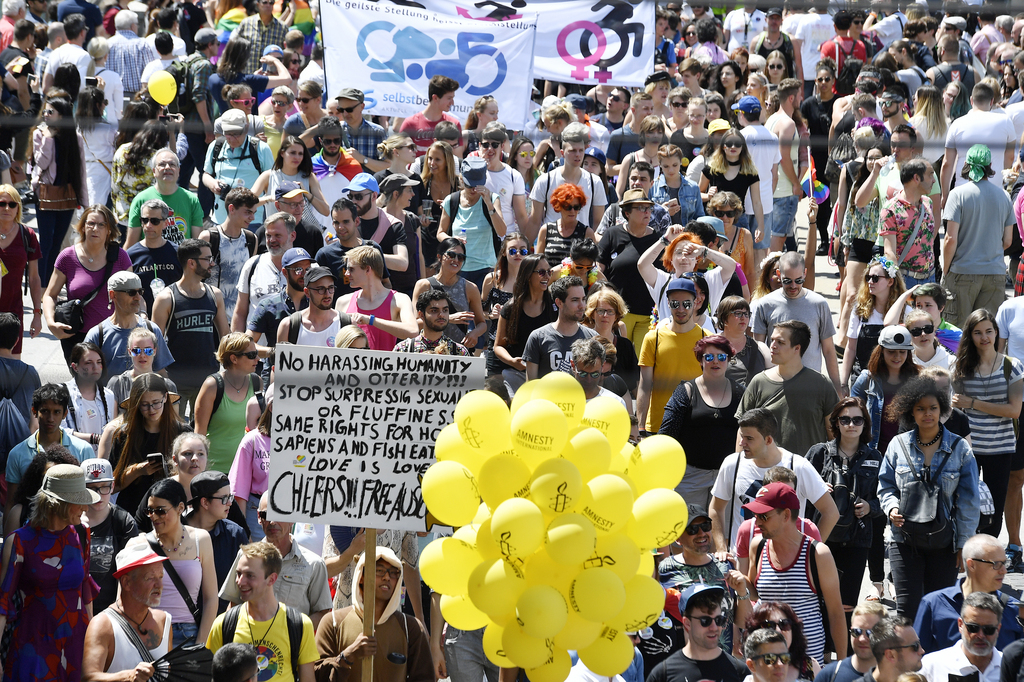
394	236
516	346
332	257
818	115
619	252
1013	657
680	668
661	639
109	538
6	57
738	185
130	496
406	281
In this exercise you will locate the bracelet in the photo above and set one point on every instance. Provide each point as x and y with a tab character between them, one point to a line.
743	597
664	241
345	659
704	254
972	403
372	319
37	311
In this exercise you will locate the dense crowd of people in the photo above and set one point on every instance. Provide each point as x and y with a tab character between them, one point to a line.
642	240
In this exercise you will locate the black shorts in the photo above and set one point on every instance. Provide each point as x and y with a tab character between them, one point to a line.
1017	461
860	251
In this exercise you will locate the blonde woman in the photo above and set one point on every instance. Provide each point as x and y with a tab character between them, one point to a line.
930	122
657	85
282	101
351	336
485	110
109	81
731	169
552	121
440	179
879	288
757	86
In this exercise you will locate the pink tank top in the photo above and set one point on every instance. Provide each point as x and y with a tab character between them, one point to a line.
378	339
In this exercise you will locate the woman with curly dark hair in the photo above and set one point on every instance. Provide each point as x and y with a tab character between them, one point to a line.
132	172
923	562
780	616
727	80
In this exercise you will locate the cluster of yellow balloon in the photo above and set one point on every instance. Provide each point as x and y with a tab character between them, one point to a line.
556	516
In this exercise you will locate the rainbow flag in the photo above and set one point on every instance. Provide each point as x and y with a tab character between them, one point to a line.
811	185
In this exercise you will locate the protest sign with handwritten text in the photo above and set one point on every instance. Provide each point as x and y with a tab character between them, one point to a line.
354	430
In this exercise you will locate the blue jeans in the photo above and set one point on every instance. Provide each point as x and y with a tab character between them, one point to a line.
910	281
251	518
182	633
53	226
783	216
464	656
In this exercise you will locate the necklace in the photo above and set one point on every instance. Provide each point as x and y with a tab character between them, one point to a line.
6	235
263	662
930	443
715	401
236	388
177	546
142	631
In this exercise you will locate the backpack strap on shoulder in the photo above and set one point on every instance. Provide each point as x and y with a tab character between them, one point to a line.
229	624
294	324
295	628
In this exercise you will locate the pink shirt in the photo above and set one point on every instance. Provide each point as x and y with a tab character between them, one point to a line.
250	470
422	130
81	282
378	339
6	33
1018	212
748	530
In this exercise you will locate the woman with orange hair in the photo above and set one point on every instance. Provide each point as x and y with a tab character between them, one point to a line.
682	250
556	238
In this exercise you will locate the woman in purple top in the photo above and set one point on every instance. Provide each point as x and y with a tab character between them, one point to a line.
82	267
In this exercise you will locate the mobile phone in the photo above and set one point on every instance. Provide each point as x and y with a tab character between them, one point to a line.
92	81
157	458
163	117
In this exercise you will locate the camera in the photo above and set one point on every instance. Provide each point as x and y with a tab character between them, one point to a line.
224	189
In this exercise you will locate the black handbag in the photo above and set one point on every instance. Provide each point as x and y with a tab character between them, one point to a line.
925	523
72	311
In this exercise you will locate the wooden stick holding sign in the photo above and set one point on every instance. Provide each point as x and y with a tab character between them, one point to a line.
369	595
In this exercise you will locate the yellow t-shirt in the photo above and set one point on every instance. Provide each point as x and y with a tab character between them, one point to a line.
270	640
671	356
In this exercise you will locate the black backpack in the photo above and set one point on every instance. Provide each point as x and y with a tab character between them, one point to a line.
180	69
254	154
230	623
257	387
250	245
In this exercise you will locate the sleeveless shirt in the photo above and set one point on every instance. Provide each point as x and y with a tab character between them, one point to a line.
126	656
191	573
792	585
323	338
192	337
378	339
556	248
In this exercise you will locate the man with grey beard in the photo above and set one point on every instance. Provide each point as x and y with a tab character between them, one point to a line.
975	654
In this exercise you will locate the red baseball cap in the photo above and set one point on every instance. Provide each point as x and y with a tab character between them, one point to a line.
774	496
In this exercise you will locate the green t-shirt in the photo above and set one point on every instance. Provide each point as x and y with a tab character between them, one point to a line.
186	213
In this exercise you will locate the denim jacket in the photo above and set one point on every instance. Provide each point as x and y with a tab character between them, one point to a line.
868	389
959	480
688	194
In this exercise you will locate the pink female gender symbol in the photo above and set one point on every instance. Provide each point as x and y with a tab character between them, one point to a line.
581	63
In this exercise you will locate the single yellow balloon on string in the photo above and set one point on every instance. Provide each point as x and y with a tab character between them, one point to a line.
162	87
460	612
597	594
645	600
518	527
450	492
446	564
493	648
659	518
616	552
607	501
564	391
503	477
590	453
539	431
556	486
541	611
555	669
450	447
657	462
571	539
522	649
495	587
610	654
608	416
577	633
483	421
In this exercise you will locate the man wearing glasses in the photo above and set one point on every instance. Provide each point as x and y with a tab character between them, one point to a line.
938	616
186	213
333	166
432	309
587	365
263	323
111	335
701	658
261	30
363	136
237	162
865	616
767	655
502	179
976	653
896	648
211	503
318	324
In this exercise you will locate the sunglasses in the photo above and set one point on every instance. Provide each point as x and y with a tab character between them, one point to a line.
131	292
776	67
455	255
858	22
784	625
856	421
158	512
711	357
248	101
357	196
573	207
592	375
261	515
727	214
685	305
522	252
786	281
102	489
330	140
153	221
305	100
733	145
393	573
858	632
874	279
678	105
616	98
706	621
9	204
774	659
278	103
143	351
695	528
917	331
527	155
826	79
490	145
913	647
348	110
543	272
252	354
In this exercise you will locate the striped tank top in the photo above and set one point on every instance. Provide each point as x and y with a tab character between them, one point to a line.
792	585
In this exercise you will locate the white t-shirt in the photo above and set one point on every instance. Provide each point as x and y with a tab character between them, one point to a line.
992	129
591	185
853	331
506	183
154	66
313	72
69	53
1016	114
600	136
890	28
603	392
1010	319
809	486
763	146
267	279
812	30
179	44
743	27
946	663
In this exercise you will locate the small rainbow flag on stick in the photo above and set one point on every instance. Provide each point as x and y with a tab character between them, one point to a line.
811	185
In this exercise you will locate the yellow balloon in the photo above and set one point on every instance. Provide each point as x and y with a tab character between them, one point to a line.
571	539
522	649
539	431
503	477
607	501
620	460
542	612
596	594
555	669
646	566
659	518
556	486
460	612
467	534
577	633
608	416
617	553
541	569
162	87
610	654
446	564
450	447
451	494
563	390
645	600
518	527
486	547
482	512
483	421
493	648
657	462
588	450
523	395
495	587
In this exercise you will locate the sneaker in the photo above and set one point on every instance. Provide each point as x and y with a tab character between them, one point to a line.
822	250
1013	558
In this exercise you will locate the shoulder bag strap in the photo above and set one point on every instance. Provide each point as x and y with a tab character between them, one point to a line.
97	159
913	235
133	636
112	250
176	579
